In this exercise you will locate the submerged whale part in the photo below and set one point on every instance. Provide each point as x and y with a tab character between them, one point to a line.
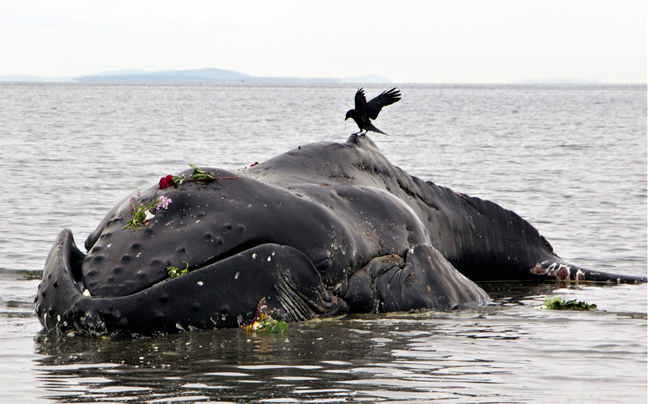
322	230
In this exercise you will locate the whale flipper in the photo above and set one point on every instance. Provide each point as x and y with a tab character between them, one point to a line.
556	269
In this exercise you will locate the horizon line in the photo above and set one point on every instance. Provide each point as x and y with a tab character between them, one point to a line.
227	76
71	80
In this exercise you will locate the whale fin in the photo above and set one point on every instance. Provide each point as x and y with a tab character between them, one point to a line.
565	272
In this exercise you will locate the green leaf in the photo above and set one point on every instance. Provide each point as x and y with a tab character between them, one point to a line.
556	303
200	174
174	272
279	327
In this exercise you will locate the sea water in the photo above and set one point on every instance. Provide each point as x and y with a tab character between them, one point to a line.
570	159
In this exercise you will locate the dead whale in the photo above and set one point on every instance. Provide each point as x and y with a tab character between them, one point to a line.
320	230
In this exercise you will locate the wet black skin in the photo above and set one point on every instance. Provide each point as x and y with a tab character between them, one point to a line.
321	230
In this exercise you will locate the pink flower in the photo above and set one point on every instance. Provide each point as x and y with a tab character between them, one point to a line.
163	202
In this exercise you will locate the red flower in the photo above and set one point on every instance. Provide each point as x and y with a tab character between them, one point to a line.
166	181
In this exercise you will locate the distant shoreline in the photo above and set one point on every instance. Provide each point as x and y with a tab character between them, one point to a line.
209	75
222	76
358	83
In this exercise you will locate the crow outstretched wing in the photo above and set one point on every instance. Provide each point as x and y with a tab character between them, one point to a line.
374	106
361	105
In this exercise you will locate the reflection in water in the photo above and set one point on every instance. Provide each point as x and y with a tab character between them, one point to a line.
310	362
509	351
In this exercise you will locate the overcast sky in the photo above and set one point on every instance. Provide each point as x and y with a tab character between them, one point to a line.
449	41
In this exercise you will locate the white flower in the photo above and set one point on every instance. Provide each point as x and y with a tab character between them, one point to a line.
148	215
87	293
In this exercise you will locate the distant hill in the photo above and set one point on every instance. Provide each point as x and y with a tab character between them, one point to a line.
167	76
210	75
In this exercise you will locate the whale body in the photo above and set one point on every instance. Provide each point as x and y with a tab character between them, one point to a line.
321	230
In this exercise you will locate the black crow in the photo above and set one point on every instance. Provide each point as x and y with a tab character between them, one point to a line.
369	110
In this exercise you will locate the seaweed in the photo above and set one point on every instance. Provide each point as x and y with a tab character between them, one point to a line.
557	303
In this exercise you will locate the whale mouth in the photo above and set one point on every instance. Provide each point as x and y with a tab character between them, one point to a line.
222	293
62	285
104	280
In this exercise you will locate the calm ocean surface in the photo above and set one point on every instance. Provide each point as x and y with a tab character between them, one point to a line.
569	159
